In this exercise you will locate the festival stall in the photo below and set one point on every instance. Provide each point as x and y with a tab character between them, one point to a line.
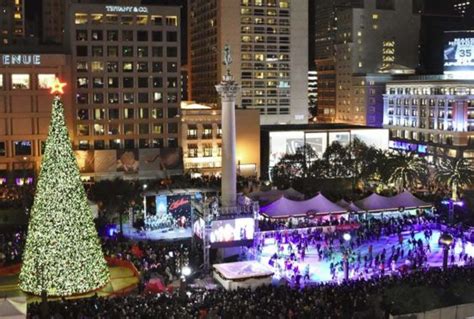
317	207
243	274
405	203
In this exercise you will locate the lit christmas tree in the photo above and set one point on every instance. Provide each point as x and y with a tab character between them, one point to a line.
63	255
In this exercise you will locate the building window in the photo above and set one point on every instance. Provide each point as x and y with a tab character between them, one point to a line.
157	113
127	67
157	20
143	143
113	98
142	83
128	129
142	36
207	131
83	114
192	150
20	81
80	18
127	35
172	142
129	144
99	114
128	98
97	35
112	35
142	20
97	51
142	97
1	81
172	128
82	130
157	82
97	66
172	112
81	35
192	132
82	83
113	82
143	112
98	98
126	20
157	52
112	67
142	52
171	52
142	67
127	82
157	97
97	18
157	128
128	113
157	142
111	18
143	128
82	98
171	20
3	150
99	129
207	150
98	83
45	80
114	114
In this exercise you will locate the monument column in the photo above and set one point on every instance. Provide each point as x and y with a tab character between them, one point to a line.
228	90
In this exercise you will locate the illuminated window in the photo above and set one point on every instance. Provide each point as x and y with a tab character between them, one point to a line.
17	16
99	114
127	67
82	83
45	80
157	113
284	4
80	18
126	20
97	18
111	18
192	150
99	129
157	128
1	81
375	16
246	38
128	114
142	20
157	97
157	20
207	150
97	66
82	130
20	81
172	20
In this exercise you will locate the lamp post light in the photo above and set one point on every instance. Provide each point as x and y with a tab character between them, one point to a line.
446	240
185	272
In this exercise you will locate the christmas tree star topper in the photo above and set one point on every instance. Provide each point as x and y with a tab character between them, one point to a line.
57	87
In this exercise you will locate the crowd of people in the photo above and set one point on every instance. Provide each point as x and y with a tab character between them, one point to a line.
364	298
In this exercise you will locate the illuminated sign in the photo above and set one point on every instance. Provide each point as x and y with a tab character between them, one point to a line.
459	52
21	59
126	9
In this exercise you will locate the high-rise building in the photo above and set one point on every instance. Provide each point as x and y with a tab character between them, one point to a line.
12	21
126	71
53	21
368	42
355	38
269	41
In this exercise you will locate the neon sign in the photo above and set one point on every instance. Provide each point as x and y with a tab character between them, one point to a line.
25	59
126	9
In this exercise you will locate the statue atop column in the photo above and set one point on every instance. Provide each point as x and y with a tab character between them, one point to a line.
227	58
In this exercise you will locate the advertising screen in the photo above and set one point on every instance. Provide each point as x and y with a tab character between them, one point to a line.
458	51
232	232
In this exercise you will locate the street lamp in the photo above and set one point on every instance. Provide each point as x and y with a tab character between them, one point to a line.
185	272
446	240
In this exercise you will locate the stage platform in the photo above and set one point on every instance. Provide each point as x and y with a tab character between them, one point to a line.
123	279
244	274
163	234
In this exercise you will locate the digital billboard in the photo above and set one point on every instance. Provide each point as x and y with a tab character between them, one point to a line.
232	232
458	51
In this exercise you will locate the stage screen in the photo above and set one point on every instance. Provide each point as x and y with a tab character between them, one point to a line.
458	52
232	232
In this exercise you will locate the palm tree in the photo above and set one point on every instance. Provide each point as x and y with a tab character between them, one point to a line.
405	170
455	173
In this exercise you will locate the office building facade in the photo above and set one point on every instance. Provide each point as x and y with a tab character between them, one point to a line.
126	71
202	144
434	117
269	42
25	111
